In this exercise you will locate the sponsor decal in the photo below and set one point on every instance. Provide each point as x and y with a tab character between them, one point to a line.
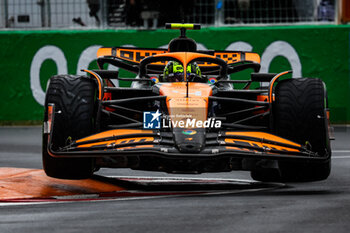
155	79
189	132
212	80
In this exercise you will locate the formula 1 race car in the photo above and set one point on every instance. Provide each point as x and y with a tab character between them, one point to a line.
184	114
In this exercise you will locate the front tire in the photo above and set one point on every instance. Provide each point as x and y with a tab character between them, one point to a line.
299	114
74	98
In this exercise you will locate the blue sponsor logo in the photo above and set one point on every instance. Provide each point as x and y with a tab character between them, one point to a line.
151	120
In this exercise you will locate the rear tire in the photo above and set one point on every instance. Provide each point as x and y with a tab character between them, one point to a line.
74	99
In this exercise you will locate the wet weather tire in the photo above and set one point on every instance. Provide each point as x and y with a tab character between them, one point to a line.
300	115
74	100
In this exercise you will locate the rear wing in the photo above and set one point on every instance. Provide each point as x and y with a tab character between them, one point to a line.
135	55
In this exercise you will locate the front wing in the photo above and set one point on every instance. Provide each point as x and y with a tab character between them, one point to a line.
136	142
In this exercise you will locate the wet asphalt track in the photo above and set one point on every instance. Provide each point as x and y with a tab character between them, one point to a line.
310	207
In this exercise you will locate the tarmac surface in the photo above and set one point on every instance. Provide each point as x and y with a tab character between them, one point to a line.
137	201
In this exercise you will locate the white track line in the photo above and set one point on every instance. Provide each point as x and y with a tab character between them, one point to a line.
340	151
179	178
341	157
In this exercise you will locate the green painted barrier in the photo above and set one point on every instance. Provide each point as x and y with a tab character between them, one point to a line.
29	58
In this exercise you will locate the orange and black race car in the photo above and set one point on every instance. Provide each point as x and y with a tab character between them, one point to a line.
184	114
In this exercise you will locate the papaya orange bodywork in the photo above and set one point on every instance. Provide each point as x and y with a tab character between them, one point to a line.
99	83
239	149
115	132
118	141
195	106
252	57
136	147
104	51
271	97
261	145
263	135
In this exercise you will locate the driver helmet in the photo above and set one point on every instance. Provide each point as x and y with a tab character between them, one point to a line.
174	72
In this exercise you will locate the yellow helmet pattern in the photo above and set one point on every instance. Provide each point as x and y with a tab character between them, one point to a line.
174	71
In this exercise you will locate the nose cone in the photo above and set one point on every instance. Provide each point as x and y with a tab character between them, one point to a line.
189	140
